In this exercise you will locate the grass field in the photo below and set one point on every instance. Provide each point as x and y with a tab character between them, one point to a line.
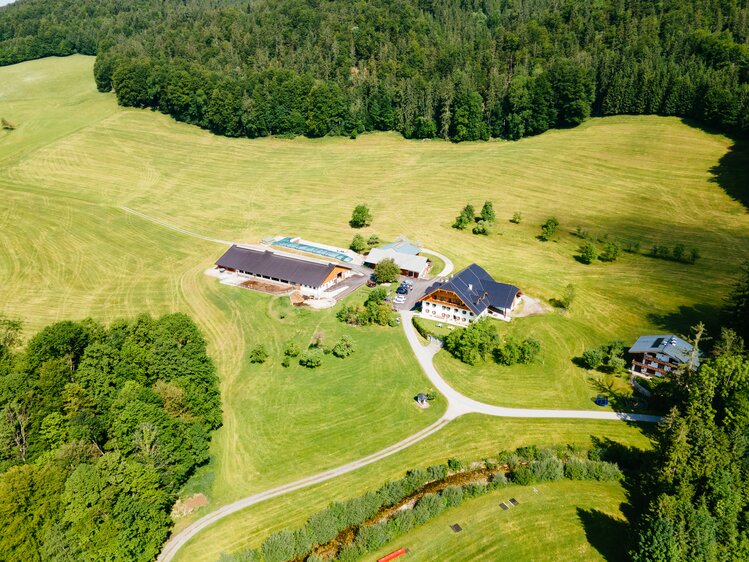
470	438
563	521
70	251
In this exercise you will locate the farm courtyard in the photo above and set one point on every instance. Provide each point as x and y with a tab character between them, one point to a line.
68	249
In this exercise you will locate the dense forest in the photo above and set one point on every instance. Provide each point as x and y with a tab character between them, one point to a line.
457	69
699	505
100	426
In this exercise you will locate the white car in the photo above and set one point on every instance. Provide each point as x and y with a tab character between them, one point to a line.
399	300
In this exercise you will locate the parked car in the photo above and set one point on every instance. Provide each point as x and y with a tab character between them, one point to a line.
401	290
399	300
371	283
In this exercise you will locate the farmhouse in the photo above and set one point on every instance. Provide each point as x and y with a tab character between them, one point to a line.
310	277
469	295
660	355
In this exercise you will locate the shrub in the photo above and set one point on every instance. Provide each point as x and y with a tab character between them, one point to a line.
404	521
350	553
438	471
291	349
529	350
529	453
593	358
576	469
358	244
386	271
373	240
415	479
487	212
474	490
632	247
279	547
343	347
465	217
455	465
360	217
429	506
568	297
602	470
311	358
423	331
286	362
517	216
482	227
258	354
588	253
452	496
372	537
548	229
499	479
610	252
548	469
323	526
523	476
504	457
475	342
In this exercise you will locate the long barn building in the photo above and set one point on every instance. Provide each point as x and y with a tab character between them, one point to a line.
310	277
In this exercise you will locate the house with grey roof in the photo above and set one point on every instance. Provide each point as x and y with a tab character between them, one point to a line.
310	277
470	294
661	355
411	265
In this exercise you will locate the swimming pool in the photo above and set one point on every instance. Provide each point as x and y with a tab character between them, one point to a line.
310	249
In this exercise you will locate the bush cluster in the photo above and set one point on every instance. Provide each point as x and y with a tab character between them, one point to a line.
375	311
482	223
608	358
548	229
480	341
678	253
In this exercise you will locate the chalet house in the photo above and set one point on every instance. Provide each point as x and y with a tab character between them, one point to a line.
469	295
660	355
310	277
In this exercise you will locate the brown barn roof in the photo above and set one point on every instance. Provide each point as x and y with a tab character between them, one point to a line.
266	263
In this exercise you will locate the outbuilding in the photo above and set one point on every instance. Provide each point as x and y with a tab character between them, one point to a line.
310	277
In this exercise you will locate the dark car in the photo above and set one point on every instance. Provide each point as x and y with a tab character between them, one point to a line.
401	290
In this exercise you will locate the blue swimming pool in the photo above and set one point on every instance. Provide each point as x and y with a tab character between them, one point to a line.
287	243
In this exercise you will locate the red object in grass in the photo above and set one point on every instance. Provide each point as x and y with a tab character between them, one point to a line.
393	555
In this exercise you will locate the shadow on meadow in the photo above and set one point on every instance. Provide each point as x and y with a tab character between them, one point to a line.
605	533
681	321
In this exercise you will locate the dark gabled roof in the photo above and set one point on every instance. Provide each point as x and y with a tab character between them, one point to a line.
667	344
270	264
478	290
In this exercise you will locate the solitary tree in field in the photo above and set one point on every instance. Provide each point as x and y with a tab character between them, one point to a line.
517	216
548	229
466	217
361	217
387	271
588	252
487	212
358	244
568	297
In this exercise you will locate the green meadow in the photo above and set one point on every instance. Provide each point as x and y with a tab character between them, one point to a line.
69	250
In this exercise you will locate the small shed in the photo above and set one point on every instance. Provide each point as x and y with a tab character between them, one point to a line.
422	399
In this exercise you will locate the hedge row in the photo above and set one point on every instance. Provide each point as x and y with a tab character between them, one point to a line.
524	466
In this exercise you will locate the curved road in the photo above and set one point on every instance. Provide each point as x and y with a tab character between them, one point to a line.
457	405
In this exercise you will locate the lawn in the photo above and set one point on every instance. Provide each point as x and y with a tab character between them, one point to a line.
563	521
469	438
68	250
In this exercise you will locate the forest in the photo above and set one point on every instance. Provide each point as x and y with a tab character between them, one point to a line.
459	70
100	427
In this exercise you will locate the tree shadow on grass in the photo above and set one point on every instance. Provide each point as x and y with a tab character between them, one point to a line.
606	534
732	169
680	321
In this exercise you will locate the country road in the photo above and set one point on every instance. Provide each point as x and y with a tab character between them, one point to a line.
458	405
